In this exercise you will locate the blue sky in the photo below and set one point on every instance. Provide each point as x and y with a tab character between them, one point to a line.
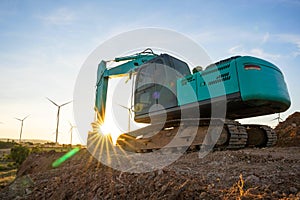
44	44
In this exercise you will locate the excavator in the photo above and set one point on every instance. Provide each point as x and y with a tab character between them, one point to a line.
183	108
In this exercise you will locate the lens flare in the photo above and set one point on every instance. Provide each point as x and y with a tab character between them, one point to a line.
108	128
65	157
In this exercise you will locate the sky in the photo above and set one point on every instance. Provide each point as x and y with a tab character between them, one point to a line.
45	43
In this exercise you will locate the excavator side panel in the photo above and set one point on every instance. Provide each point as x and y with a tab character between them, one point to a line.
218	80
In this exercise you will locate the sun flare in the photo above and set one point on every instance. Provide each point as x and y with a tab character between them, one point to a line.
109	128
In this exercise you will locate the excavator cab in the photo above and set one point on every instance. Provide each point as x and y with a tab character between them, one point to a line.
155	86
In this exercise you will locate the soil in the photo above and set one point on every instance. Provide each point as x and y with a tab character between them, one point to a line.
252	173
289	131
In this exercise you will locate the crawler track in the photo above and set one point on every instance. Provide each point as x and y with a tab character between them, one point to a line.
192	134
238	136
260	135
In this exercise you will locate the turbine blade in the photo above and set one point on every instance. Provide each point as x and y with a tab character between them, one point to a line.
124	107
129	109
65	103
18	119
52	101
26	117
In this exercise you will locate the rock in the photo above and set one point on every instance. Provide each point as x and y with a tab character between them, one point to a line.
284	194
158	186
252	179
293	190
267	190
160	172
203	195
28	191
276	193
291	196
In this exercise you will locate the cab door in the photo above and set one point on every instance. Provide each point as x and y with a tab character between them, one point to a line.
144	89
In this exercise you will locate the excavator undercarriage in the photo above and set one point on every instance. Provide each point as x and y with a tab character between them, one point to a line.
196	134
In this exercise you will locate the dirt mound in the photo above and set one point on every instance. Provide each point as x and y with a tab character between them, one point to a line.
38	162
270	173
289	131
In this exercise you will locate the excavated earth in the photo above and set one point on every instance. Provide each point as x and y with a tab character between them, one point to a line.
252	173
289	131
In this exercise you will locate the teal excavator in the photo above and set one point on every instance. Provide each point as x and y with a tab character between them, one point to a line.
180	104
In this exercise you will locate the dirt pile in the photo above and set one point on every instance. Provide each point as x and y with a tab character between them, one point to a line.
289	131
269	173
38	162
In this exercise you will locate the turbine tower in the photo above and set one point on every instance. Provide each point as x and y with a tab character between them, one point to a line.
22	122
129	116
71	131
58	111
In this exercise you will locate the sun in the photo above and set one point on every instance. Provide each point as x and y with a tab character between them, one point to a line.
109	128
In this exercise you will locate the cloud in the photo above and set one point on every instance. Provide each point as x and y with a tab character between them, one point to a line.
236	49
266	37
261	53
258	52
291	2
61	16
289	41
293	39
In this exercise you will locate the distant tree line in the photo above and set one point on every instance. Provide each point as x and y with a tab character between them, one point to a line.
7	145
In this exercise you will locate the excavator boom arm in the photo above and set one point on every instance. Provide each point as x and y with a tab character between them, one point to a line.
103	74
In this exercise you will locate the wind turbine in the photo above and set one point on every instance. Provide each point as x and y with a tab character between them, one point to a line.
71	131
278	118
22	122
129	115
58	110
130	109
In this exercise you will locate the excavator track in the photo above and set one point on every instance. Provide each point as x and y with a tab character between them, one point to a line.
238	136
233	136
260	135
271	134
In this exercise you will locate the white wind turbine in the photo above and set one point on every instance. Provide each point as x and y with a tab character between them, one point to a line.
22	123
58	111
278	118
71	131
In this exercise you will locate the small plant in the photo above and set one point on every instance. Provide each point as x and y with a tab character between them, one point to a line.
19	154
2	168
240	185
36	150
237	189
11	165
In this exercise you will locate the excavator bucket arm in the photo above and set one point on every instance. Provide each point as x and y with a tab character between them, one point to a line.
103	74
101	91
